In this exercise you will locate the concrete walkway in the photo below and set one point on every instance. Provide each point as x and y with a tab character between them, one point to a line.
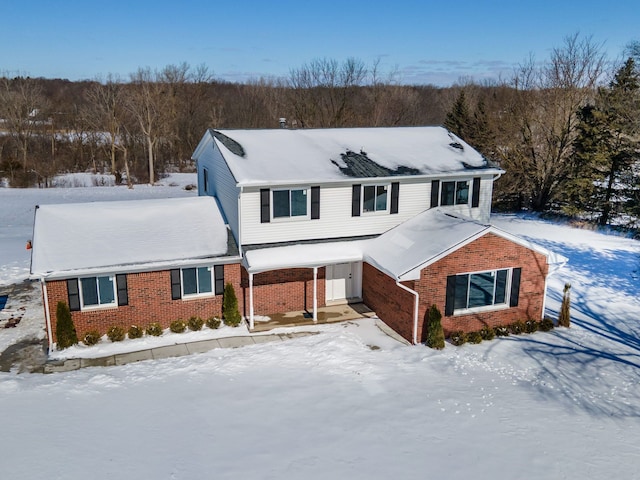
167	351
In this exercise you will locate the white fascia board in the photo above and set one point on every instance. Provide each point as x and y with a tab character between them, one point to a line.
136	268
206	139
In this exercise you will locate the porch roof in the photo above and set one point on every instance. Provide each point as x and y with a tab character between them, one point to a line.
303	255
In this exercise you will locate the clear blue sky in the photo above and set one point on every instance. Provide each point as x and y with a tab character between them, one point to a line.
427	41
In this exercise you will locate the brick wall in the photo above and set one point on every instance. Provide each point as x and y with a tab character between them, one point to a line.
393	305
280	291
149	301
486	253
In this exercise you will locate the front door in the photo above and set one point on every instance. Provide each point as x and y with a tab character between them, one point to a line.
342	282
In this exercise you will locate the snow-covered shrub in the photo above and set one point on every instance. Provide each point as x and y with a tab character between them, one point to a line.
135	331
474	337
154	329
516	328
116	333
178	326
65	329
501	331
435	334
91	338
487	333
546	324
530	326
458	338
230	312
213	322
195	323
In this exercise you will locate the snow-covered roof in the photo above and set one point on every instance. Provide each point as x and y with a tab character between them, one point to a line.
285	156
422	240
122	235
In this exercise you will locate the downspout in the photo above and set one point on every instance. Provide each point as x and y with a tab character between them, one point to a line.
47	313
415	310
239	239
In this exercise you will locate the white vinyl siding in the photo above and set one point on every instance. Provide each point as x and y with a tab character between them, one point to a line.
221	183
335	215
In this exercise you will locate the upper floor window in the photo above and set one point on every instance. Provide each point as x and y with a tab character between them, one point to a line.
290	203
456	192
205	180
374	198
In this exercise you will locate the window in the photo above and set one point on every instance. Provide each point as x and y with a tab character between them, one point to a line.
205	180
290	203
481	289
455	193
374	198
197	281
97	291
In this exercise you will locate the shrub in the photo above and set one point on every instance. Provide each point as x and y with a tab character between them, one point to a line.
230	312
530	326
487	333
435	334
178	326
501	331
195	323
474	337
65	329
546	324
135	331
213	322
91	338
154	329
516	328
564	319
116	334
458	338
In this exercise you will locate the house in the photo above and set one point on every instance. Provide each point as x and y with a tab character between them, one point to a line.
396	218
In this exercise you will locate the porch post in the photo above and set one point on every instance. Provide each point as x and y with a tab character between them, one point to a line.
251	324
315	294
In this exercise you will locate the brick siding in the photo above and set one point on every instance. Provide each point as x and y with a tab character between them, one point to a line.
149	301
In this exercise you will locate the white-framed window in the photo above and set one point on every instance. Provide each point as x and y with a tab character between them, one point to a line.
454	192
290	203
197	281
479	290
97	292
375	198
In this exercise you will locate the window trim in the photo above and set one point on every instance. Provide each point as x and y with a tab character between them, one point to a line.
494	306
455	192
473	195
99	305
290	218
216	271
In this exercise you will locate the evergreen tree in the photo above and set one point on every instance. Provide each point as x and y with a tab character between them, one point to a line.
230	312
458	120
435	333
65	329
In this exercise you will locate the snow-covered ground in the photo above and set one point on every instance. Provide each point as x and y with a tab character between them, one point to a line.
348	402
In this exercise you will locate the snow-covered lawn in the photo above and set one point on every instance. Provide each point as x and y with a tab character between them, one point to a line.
348	402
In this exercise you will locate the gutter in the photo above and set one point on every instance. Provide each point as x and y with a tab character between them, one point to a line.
47	313
415	310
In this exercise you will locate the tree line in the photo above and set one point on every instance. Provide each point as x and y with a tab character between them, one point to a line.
565	130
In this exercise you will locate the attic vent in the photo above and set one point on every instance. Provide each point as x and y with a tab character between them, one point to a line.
456	145
233	146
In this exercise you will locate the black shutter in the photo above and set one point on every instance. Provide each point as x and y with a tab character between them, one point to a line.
218	273
73	294
515	287
355	200
176	290
395	192
475	198
451	296
265	207
123	294
435	193
315	203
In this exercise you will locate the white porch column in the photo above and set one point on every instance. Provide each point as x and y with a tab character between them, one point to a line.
315	294
251	324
